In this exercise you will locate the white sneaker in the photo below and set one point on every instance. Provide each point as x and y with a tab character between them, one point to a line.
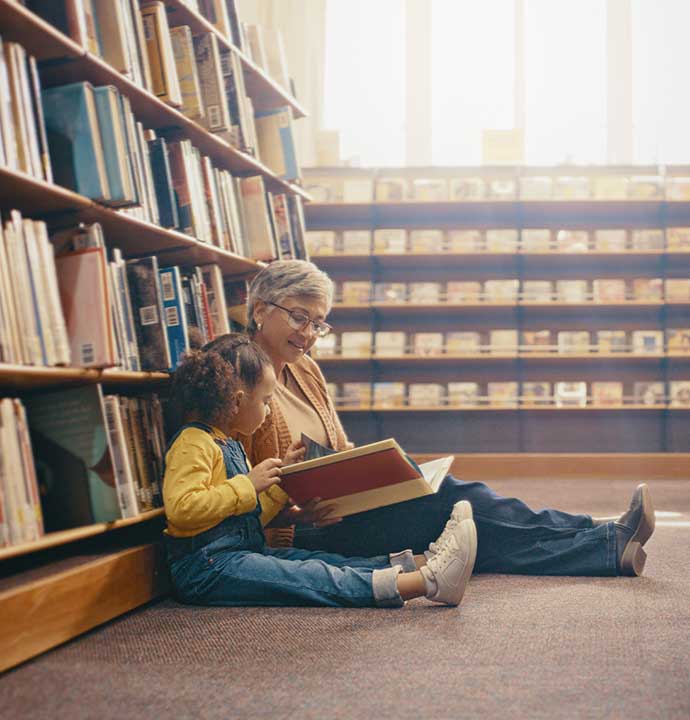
462	510
451	567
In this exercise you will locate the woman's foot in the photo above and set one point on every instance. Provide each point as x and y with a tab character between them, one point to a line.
633	529
462	510
448	571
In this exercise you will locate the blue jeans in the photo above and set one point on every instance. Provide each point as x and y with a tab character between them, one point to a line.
512	538
231	565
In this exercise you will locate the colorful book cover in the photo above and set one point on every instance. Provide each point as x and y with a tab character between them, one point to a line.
390	344
678	340
503	394
356	242
649	393
429	395
463	393
648	341
390	240
464	241
389	394
459	342
610	240
173	312
73	457
427	344
467	188
570	394
609	290
356	344
536	393
610	341
277	143
607	393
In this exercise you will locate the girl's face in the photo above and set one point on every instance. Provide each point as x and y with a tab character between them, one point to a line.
252	405
283	343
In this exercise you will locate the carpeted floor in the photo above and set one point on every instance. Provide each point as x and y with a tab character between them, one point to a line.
518	647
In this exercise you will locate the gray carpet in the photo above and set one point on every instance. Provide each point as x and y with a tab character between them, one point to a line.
518	647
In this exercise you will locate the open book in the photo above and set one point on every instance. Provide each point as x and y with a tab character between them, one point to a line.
362	478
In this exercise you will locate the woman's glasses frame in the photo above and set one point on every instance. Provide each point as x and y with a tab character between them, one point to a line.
299	320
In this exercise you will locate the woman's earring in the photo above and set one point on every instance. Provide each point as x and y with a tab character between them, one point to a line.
259	326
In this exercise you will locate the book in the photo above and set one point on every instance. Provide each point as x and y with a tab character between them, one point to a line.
610	341
609	290
427	395
356	242
571	187
426	241
535	240
679	393
536	187
389	394
537	291
503	341
536	341
355	394
326	346
573	341
176	330
276	142
321	242
460	342
501	241
467	189
258	225
163	183
570	394
648	239
678	340
572	241
390	240
363	478
501	291
430	189
607	393
678	239
356	344
73	456
678	290
464	241
390	190
641	187
393	292
536	393
462	291
648	341
649	289
571	291
463	393
649	393
426	344
503	394
424	293
356	292
502	189
74	139
390	344
187	73
160	54
610	240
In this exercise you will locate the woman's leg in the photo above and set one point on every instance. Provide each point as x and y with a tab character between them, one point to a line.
512	537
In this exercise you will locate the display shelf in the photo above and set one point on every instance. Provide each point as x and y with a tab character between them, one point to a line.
444	358
530	407
63	537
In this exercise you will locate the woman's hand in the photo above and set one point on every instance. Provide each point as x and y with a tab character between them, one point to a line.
265	474
308	515
295	453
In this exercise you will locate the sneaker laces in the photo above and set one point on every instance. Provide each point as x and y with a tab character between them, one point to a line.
448	532
442	559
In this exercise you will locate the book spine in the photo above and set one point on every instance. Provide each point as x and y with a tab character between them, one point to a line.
175	321
123	473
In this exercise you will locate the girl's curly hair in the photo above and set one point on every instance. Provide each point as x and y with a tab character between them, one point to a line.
206	380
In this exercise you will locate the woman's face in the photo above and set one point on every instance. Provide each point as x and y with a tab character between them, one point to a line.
283	343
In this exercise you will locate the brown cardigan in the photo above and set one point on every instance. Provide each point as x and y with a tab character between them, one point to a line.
273	438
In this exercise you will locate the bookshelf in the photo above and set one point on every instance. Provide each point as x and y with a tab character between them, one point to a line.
77	578
518	427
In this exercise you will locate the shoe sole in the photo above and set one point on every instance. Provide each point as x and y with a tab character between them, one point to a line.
645	527
633	560
469	567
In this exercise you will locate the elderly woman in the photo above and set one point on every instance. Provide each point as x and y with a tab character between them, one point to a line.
288	304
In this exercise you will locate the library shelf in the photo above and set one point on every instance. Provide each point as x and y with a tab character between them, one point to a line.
510	408
63	537
573	214
442	358
149	109
133	236
47	606
26	378
266	93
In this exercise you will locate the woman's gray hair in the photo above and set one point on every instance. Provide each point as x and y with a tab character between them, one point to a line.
287	279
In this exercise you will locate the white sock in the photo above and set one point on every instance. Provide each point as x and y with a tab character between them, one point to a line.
429	581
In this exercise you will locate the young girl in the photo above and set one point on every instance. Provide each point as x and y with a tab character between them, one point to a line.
216	507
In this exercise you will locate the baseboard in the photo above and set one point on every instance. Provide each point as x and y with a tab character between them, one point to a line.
40	614
638	466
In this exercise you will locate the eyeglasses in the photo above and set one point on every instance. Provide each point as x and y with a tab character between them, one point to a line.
299	320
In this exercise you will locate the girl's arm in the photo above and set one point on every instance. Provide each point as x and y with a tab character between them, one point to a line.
196	491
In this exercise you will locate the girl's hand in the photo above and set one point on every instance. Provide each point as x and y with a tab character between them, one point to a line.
307	515
295	453
265	474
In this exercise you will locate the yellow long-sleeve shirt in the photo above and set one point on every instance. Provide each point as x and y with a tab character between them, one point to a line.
197	493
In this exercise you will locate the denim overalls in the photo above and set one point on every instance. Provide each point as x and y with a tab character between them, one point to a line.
230	564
